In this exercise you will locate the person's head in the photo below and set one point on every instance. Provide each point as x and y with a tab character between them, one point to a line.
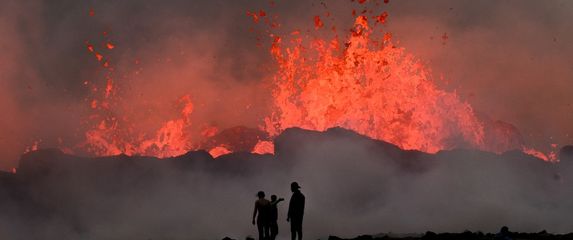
261	194
273	197
294	186
504	229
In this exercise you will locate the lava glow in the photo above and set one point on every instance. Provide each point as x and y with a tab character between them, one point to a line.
264	147
170	140
363	82
218	151
371	87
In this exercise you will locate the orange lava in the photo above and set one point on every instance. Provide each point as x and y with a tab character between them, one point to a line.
363	82
264	147
317	22
218	151
171	139
372	87
535	153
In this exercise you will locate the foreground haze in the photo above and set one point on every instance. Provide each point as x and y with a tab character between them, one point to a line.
353	185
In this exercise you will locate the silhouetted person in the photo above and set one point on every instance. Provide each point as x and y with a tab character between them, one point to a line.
263	208
295	211
503	234
274	226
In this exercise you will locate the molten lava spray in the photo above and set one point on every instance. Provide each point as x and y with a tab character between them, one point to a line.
372	87
359	80
182	84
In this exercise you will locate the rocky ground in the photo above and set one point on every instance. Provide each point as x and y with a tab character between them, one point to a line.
462	236
467	235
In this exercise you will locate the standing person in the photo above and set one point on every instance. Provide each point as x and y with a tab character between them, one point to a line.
263	208
295	211
274	226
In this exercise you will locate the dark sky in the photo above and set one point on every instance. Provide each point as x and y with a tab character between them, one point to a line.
510	59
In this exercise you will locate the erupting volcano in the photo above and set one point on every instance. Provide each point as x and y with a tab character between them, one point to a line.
163	119
373	88
358	79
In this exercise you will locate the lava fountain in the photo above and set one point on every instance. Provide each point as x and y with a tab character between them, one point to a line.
361	81
371	87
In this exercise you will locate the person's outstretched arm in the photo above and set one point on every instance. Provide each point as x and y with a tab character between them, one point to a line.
277	201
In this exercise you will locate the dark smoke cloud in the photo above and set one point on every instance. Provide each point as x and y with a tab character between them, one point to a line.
509	59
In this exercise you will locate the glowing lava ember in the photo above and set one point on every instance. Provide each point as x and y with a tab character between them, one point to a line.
364	83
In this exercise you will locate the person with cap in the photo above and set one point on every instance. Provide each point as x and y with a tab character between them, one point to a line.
295	211
263	208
